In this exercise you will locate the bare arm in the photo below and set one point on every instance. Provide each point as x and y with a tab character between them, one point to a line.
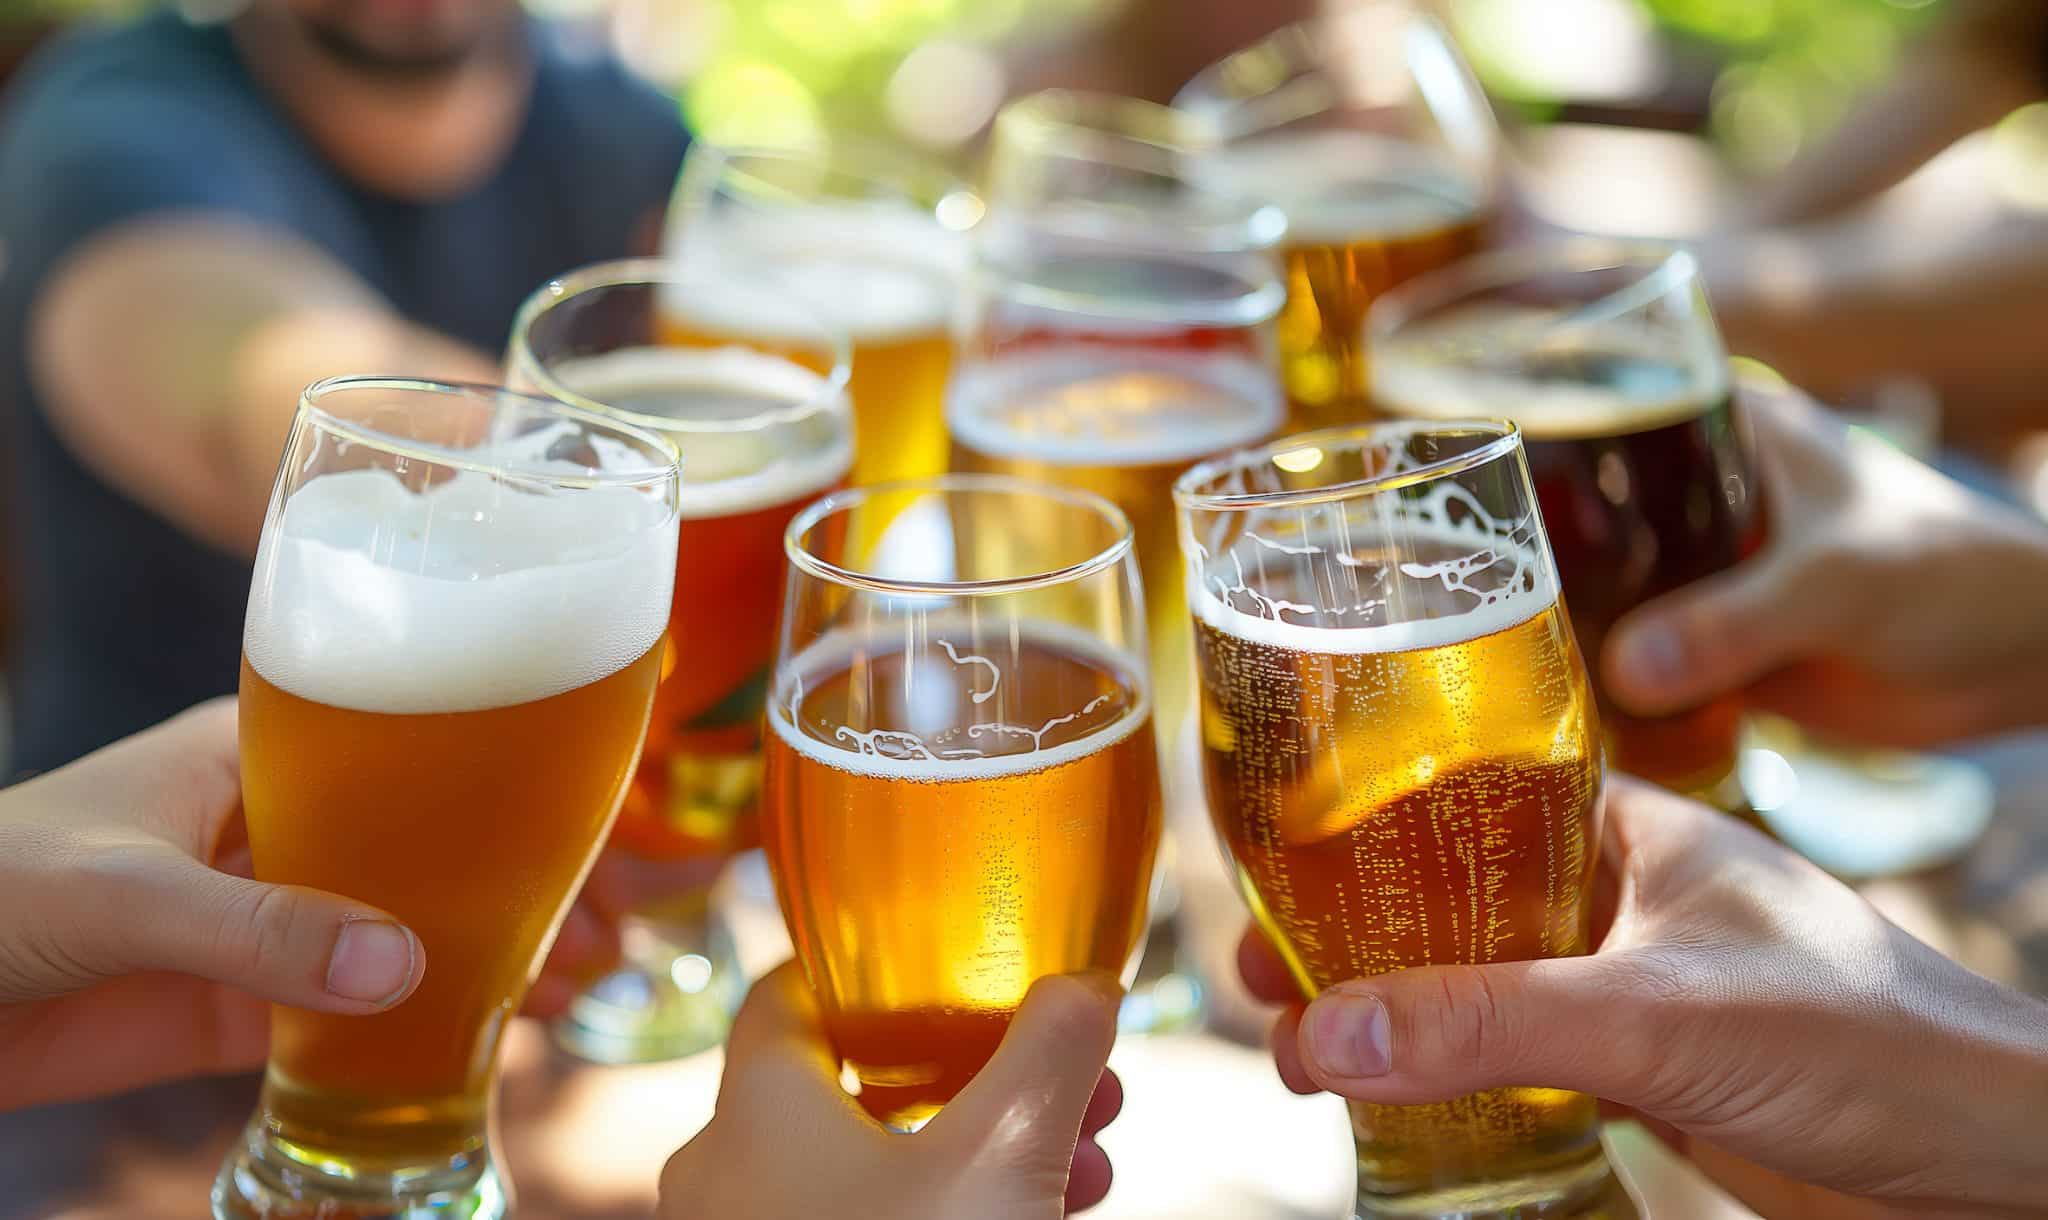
169	354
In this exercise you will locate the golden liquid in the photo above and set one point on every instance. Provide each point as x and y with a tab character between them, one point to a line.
922	909
898	387
1333	279
1127	412
1409	808
474	828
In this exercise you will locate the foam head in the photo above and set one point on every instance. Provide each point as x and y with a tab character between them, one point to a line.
1086	405
1338	185
473	593
1557	382
753	429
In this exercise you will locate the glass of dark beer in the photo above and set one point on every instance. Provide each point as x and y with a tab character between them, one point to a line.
1607	356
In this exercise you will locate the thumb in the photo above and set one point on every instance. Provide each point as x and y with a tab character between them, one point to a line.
1711	638
1438	1032
288	944
1035	1090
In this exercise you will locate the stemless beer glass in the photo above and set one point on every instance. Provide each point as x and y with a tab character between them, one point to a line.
874	244
1368	130
453	637
962	794
760	434
1607	356
1402	759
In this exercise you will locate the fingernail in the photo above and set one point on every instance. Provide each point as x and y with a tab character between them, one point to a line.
372	961
1348	1035
1651	655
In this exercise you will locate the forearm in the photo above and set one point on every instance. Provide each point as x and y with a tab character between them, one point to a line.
221	325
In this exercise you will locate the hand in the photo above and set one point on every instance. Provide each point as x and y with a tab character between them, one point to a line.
1017	1144
127	957
1891	607
1769	1023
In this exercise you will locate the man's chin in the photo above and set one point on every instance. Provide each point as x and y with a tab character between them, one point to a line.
422	57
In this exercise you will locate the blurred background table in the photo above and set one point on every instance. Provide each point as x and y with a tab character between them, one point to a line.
1207	1130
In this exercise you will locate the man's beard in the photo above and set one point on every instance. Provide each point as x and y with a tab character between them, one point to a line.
419	64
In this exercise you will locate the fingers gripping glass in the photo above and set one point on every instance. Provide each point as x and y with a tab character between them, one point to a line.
453	636
962	793
1401	758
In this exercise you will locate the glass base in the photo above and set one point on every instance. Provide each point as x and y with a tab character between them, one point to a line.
674	995
1587	1190
262	1180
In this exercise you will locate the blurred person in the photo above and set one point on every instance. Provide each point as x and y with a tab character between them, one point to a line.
134	949
1018	1143
203	218
1755	1013
1841	295
1890	606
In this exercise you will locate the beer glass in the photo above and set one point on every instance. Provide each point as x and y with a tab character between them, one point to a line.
873	243
760	434
1112	368
1402	759
1607	356
453	638
1100	165
962	794
1368	130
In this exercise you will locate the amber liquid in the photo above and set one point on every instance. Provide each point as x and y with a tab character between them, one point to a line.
922	908
1122	413
474	828
898	387
1333	279
1408	808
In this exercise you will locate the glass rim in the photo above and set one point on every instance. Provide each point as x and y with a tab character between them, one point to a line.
803	560
1299	45
666	467
1187	496
653	272
1001	276
1659	262
925	185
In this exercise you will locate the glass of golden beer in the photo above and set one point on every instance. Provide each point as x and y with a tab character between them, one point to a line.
762	428
873	243
453	638
962	792
1402	759
1368	130
1112	368
1607	356
1101	165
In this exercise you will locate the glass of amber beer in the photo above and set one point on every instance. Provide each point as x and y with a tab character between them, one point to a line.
762	428
872	242
1607	356
962	794
1367	129
1402	759
453	637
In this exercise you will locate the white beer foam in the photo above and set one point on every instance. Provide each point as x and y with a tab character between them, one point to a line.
1425	373
881	273
1337	185
834	652
1510	611
473	594
733	471
1079	406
